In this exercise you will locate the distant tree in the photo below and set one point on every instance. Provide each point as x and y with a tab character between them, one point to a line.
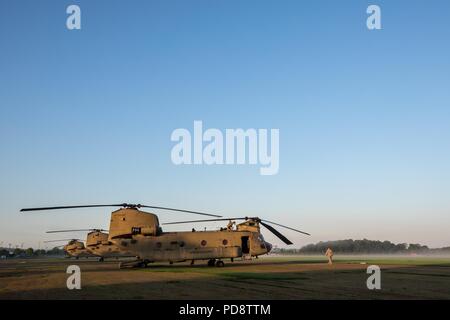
55	251
18	251
39	252
401	247
415	247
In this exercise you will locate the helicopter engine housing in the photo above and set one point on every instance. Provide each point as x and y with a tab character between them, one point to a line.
130	221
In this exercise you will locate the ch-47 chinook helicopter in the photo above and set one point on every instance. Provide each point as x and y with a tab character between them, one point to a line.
74	248
140	234
97	244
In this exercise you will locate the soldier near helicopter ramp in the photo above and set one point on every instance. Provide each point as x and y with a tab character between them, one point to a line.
230	225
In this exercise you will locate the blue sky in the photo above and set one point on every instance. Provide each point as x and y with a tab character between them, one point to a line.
86	115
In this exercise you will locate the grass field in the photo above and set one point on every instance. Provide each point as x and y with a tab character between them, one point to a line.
274	277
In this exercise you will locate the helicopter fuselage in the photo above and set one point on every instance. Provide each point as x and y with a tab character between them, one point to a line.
135	233
76	249
196	245
97	243
139	233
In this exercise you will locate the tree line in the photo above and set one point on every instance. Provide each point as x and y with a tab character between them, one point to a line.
361	247
30	252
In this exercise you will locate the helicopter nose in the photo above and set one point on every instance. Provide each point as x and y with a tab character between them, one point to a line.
268	246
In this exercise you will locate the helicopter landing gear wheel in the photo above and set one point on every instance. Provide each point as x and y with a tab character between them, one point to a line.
220	264
211	262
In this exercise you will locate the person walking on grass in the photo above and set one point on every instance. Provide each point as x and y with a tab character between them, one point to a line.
329	254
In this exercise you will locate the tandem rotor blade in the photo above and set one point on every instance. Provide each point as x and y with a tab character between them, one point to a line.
275	232
280	225
79	230
207	220
180	210
124	205
72	207
263	222
59	240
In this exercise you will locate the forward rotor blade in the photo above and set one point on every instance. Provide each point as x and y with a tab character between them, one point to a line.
275	232
242	218
280	225
208	220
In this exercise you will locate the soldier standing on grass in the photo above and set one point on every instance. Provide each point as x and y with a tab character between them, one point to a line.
329	254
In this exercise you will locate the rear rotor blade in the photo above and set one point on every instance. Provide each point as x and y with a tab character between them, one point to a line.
59	240
79	230
73	207
124	205
180	210
275	232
